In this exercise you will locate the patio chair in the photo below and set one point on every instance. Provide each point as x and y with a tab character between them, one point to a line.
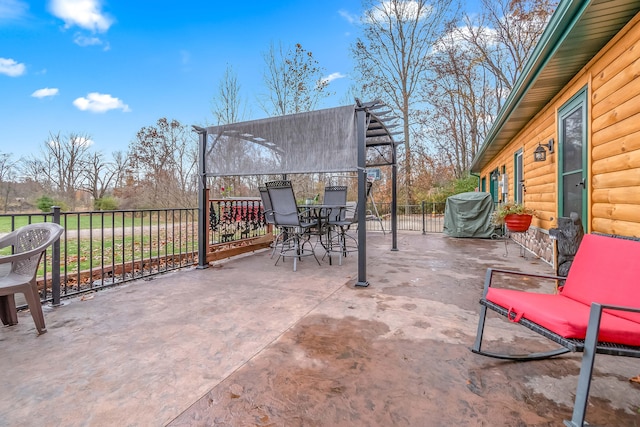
335	195
270	219
343	243
298	225
337	220
19	275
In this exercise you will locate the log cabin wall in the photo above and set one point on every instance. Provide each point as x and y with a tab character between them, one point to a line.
615	136
612	81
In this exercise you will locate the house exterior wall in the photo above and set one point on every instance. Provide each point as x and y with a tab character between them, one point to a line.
612	81
615	137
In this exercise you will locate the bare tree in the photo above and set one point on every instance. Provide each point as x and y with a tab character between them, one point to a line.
8	169
460	101
504	36
392	57
474	68
294	80
100	176
228	106
62	164
163	161
120	165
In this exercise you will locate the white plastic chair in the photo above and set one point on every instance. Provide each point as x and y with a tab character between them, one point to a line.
20	268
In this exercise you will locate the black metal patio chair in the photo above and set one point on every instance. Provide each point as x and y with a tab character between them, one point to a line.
339	220
269	218
298	225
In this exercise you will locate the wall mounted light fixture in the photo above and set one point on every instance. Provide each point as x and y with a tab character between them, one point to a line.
540	154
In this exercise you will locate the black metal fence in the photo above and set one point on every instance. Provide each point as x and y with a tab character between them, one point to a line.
103	248
426	217
99	249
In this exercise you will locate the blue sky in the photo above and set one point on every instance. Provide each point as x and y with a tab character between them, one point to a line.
107	68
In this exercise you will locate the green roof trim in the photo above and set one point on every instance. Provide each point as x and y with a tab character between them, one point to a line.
559	55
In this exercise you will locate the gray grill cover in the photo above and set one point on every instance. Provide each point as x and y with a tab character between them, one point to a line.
469	215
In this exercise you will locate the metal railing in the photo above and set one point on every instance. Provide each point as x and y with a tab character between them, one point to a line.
426	217
99	249
102	248
235	219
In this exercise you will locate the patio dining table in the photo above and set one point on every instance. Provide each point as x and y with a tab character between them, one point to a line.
322	214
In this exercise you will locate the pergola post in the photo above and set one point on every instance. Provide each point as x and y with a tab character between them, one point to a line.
202	199
361	130
394	203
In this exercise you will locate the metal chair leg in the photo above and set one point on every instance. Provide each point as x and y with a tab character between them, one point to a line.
586	368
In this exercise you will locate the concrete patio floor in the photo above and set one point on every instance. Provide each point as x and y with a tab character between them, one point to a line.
247	343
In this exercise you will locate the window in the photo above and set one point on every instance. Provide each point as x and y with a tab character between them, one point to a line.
518	177
572	162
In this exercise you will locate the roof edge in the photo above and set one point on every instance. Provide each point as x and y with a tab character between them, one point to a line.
561	23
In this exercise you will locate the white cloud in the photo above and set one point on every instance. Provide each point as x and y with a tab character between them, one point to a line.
82	141
11	68
13	10
408	10
349	17
333	76
100	103
458	39
79	141
85	14
45	92
82	40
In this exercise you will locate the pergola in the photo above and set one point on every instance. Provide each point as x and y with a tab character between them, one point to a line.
341	139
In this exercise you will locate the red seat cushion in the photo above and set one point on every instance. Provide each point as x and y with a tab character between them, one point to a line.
606	270
564	316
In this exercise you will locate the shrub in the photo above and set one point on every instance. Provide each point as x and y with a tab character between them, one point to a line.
107	203
457	186
44	203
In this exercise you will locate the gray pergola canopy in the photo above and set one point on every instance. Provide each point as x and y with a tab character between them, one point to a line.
341	139
316	141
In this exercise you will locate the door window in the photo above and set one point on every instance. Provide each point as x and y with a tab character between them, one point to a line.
572	134
518	177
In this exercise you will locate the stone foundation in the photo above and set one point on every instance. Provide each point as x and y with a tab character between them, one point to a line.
537	241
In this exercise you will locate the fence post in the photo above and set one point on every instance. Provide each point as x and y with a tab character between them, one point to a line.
55	262
424	218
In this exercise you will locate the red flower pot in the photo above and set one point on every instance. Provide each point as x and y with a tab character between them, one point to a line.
518	222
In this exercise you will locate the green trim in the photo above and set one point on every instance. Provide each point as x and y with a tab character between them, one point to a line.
560	25
493	186
515	175
580	99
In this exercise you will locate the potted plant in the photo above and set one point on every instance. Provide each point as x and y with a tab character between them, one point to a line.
516	216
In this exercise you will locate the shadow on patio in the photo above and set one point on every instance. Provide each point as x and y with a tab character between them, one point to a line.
249	343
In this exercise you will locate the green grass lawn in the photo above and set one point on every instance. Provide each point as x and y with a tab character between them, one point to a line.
82	254
116	246
82	221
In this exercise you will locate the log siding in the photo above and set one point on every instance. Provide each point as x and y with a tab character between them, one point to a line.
612	79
